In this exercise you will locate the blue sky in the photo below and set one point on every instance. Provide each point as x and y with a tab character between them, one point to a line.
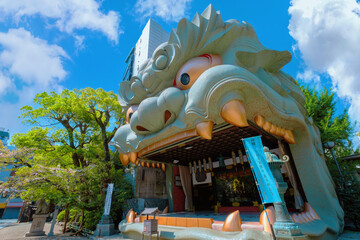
50	45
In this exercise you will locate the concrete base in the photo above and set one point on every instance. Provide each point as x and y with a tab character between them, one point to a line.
33	234
288	230
37	226
134	231
105	227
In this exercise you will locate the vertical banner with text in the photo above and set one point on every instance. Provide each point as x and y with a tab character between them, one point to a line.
265	180
110	189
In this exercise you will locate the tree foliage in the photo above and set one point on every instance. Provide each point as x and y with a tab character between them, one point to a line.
65	156
321	108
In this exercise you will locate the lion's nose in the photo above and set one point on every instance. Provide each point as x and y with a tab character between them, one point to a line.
141	128
167	116
155	113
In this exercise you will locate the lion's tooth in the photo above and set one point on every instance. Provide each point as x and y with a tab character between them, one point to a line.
311	211
295	218
292	217
232	222
282	132
133	157
305	217
124	159
204	129
289	137
267	126
131	217
301	218
259	120
234	113
273	129
278	131
308	216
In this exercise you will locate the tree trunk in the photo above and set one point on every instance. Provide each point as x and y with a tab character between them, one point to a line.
82	219
81	224
66	217
105	145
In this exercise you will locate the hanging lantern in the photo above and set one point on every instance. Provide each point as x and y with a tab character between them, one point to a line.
137	162
233	156
190	168
241	157
210	164
199	162
195	167
153	165
158	165
204	163
163	167
142	163
148	164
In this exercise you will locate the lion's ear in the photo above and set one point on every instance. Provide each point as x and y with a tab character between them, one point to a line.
270	60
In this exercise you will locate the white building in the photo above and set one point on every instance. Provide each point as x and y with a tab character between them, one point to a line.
152	36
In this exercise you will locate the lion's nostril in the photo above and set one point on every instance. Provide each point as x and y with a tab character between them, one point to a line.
141	128
167	115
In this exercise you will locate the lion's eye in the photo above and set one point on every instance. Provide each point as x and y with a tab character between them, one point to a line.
192	69
185	79
130	112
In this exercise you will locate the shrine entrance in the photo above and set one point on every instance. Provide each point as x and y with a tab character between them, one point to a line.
221	177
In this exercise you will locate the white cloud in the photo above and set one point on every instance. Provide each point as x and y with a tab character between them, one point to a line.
308	76
169	10
68	14
79	42
31	59
6	83
327	33
28	65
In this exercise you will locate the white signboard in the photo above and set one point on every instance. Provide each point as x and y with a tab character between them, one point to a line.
110	189
207	180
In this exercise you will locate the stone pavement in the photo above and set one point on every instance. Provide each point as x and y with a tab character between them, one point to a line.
6	222
16	231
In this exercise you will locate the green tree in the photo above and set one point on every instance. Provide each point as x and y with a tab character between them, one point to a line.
321	107
70	163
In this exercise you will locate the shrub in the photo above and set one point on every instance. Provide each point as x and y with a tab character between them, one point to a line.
92	218
61	215
74	214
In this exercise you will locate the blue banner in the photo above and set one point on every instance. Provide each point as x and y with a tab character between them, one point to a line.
265	180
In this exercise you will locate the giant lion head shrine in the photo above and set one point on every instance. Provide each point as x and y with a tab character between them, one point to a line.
220	142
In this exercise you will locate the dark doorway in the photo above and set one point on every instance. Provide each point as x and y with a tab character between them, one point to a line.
203	197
